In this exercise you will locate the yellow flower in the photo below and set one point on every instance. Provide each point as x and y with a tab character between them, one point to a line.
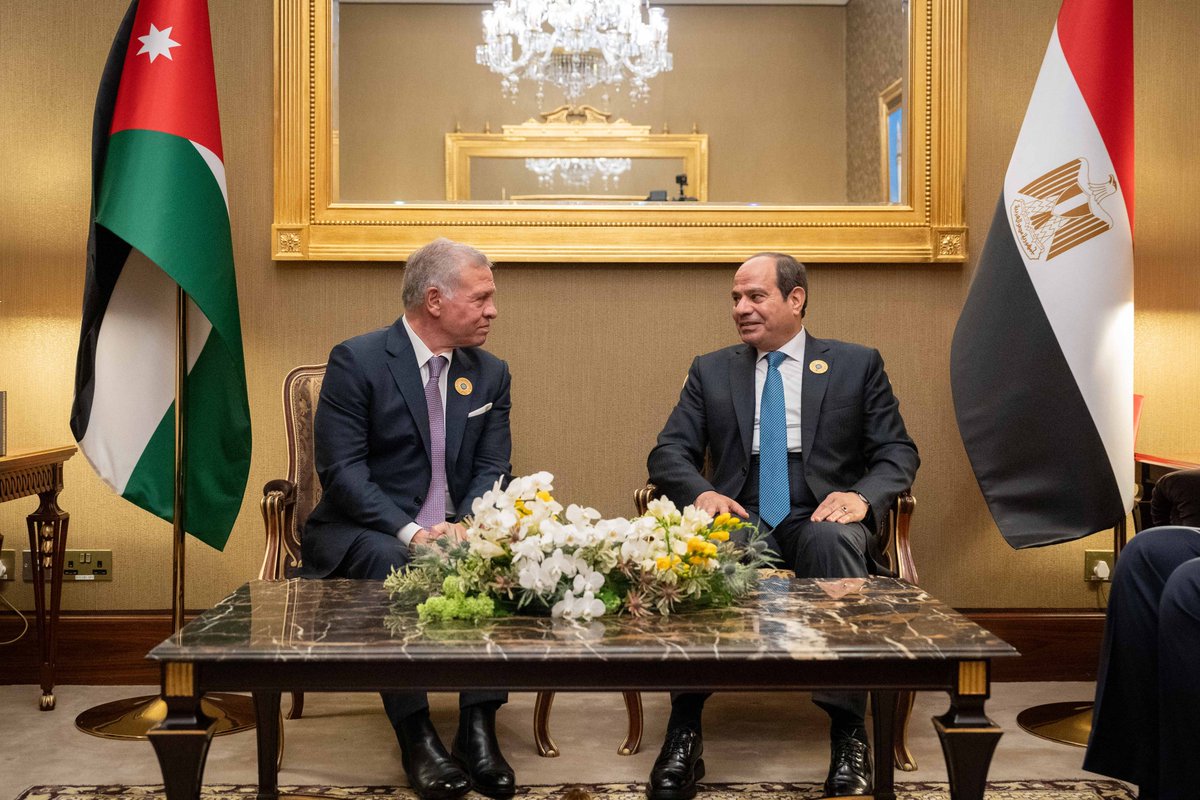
544	496
664	562
722	520
695	544
521	509
720	536
697	560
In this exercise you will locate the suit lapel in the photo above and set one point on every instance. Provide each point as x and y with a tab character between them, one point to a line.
458	405
741	384
812	391
402	362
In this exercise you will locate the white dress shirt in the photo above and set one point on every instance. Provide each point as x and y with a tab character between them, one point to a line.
791	369
423	355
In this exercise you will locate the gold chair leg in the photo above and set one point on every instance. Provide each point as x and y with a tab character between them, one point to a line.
903	756
633	738
541	725
297	706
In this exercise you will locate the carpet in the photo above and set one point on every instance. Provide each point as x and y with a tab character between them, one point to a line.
999	790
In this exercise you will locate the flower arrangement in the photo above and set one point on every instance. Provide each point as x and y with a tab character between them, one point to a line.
525	552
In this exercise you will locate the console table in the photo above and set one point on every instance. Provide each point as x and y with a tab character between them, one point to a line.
22	474
337	635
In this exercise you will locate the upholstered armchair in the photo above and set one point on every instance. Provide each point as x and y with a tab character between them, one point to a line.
287	502
893	542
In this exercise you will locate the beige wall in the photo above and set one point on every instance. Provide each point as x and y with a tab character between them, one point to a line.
597	351
772	102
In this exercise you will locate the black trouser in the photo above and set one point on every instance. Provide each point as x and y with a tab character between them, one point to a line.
1147	714
811	550
372	556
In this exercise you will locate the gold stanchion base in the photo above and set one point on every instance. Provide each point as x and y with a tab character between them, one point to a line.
1065	723
133	717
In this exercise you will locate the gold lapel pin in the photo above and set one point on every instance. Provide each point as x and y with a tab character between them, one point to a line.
818	367
463	386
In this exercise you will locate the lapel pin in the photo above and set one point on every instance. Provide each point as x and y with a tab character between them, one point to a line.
818	367
463	386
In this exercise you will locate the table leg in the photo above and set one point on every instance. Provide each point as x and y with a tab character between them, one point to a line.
883	714
270	743
181	740
968	737
47	549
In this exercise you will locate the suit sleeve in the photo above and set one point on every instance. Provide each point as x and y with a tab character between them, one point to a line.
890	455
341	435
677	459
493	454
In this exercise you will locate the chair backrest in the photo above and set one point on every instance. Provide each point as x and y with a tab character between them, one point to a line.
301	492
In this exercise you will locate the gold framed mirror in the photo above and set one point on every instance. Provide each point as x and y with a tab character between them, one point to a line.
313	222
561	158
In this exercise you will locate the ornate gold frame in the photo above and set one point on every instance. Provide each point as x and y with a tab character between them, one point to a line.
555	137
308	225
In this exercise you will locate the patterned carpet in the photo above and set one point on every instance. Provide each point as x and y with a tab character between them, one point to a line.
1000	790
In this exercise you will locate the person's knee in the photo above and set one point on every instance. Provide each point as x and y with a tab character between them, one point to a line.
375	557
1156	551
1181	596
829	550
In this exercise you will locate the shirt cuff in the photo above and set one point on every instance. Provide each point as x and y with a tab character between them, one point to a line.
406	534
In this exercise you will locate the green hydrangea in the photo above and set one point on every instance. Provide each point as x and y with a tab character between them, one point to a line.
456	606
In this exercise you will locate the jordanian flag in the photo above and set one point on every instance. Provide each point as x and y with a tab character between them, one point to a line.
160	219
1042	360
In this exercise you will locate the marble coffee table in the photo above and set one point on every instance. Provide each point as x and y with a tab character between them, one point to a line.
879	634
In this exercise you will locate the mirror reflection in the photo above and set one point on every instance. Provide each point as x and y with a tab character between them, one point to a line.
801	104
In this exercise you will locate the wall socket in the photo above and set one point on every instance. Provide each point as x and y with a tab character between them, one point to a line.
78	565
1097	565
9	559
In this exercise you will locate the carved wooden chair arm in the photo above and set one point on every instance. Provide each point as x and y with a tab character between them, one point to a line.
278	507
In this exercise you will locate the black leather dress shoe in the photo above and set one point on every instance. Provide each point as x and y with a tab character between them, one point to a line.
849	768
678	766
477	750
431	772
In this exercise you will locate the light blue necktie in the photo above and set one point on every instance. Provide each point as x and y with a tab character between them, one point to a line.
774	495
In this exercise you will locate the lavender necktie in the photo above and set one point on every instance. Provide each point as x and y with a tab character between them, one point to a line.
433	510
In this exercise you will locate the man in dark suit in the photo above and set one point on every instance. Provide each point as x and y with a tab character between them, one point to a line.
1147	696
805	440
411	427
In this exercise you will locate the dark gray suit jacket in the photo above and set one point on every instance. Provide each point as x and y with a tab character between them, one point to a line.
372	440
852	436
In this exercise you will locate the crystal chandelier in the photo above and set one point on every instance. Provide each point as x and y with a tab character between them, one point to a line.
577	173
574	45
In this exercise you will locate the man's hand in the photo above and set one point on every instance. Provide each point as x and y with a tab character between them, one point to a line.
717	504
455	531
422	537
841	507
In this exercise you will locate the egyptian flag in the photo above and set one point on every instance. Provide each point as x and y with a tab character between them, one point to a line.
1042	360
160	219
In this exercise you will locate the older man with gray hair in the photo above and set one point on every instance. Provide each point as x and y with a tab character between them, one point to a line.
411	427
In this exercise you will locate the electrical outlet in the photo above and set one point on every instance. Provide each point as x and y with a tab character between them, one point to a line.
8	558
78	565
1097	565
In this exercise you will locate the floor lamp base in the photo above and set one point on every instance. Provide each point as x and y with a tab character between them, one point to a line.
133	717
1065	723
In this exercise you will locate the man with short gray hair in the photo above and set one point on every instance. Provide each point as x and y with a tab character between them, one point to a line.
411	427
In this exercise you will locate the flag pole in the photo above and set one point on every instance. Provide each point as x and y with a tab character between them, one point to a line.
132	718
180	534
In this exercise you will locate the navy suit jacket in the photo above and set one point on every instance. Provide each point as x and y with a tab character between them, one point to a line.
852	436
371	443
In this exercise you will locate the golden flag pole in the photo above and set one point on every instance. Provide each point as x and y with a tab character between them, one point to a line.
133	717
